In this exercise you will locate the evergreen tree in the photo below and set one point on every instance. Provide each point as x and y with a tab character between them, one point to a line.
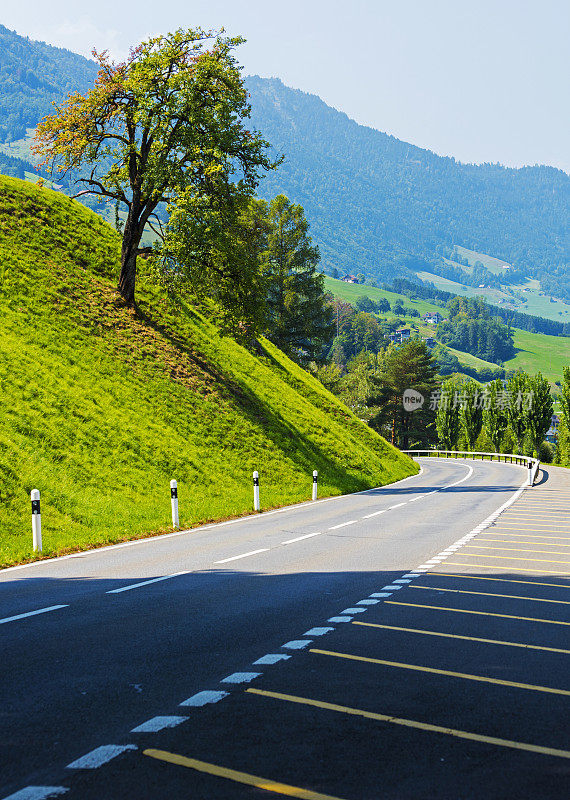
300	317
410	366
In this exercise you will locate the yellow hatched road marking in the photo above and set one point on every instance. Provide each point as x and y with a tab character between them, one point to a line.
480	613
459	636
498	580
531	526
410	723
448	673
507	532
524	541
520	550
238	777
498	566
491	594
514	558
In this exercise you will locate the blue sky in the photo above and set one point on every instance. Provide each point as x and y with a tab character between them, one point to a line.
484	81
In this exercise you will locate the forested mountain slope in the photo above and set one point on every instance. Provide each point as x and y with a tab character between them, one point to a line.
375	201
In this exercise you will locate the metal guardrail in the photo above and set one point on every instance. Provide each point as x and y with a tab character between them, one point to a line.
532	464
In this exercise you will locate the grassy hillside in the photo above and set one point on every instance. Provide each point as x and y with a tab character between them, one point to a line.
101	407
538	352
350	292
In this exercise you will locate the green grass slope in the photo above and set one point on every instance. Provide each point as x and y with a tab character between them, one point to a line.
102	407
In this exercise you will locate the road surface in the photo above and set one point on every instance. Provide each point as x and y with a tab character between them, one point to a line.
405	642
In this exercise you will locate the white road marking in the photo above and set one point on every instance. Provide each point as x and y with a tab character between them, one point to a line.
300	538
243	555
396	506
147	583
410	575
318	631
32	614
343	524
424	567
296	644
419	497
271	658
241	677
158	724
101	755
402	580
340	619
367	602
375	514
204	698
38	793
381	594
353	611
391	587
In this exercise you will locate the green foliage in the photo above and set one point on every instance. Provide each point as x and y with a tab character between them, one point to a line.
563	454
447	418
471	328
167	123
495	418
299	316
410	366
101	407
540	412
471	413
518	388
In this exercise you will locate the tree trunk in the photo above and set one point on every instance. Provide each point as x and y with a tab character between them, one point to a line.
129	250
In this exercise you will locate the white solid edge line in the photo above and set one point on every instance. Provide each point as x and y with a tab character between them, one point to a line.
147	583
246	518
32	613
300	538
38	793
243	555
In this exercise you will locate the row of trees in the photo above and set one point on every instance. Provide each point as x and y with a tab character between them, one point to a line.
512	418
471	328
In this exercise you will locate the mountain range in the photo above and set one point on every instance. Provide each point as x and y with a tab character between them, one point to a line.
376	205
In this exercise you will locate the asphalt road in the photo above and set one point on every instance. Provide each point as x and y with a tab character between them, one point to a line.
380	645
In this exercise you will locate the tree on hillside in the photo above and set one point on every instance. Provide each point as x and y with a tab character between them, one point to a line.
410	366
447	418
518	388
471	413
495	414
540	411
563	444
169	120
299	314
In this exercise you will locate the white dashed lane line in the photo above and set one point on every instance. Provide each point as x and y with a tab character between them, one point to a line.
343	524
243	555
159	724
147	583
241	677
101	755
32	614
204	698
300	538
270	658
38	793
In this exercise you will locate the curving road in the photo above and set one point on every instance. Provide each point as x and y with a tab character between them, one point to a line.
388	644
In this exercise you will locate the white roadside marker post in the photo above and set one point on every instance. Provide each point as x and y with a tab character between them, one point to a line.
256	506
315	479
36	520
174	503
